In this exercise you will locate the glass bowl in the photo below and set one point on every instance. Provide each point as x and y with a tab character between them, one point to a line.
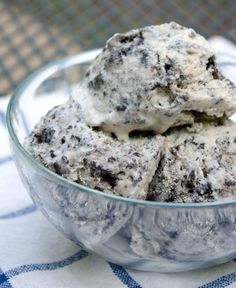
142	235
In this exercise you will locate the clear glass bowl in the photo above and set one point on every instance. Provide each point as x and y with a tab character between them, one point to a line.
142	235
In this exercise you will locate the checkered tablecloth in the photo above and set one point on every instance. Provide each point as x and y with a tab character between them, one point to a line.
33	254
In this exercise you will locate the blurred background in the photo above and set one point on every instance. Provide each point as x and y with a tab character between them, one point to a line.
36	32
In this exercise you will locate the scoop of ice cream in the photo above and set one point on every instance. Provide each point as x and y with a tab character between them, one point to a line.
67	146
197	167
154	78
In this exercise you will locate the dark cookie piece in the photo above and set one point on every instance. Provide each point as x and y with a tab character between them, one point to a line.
144	57
211	64
107	176
45	136
96	83
167	67
137	37
57	168
122	106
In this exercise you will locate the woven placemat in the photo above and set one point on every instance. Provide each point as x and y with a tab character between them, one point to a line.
33	33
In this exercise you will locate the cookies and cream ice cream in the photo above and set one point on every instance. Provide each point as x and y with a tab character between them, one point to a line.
154	78
70	148
148	121
197	167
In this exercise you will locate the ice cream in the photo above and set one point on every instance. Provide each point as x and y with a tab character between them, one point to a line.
148	121
154	78
197	167
70	148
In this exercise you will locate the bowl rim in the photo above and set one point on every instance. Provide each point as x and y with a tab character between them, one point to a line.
48	70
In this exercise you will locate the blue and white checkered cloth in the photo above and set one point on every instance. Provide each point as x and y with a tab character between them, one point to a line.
33	254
